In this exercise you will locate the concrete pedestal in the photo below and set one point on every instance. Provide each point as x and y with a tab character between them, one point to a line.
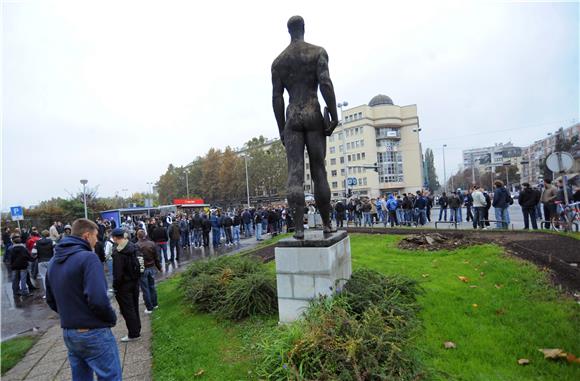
317	265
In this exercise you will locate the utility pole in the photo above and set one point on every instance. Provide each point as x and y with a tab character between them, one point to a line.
444	169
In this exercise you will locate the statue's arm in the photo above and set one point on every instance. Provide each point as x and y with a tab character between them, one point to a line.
326	87
278	102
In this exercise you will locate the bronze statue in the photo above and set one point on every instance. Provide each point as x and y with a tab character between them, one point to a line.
300	69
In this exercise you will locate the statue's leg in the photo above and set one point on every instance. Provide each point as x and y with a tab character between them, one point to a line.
316	146
294	142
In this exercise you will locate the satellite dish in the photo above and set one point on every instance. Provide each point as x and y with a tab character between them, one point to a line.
560	162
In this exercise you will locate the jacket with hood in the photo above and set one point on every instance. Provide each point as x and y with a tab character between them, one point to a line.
501	198
76	287
122	264
19	257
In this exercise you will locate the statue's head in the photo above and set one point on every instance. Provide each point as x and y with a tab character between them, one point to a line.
296	27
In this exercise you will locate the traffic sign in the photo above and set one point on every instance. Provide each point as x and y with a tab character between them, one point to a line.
17	213
351	181
560	162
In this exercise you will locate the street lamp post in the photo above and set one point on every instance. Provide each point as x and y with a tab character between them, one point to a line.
423	178
187	183
247	181
444	169
84	182
340	105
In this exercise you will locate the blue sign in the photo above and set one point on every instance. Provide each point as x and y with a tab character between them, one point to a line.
17	213
351	181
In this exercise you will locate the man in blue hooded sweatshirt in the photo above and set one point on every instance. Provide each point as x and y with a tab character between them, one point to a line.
77	290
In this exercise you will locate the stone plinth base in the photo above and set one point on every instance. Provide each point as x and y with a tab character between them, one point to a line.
317	265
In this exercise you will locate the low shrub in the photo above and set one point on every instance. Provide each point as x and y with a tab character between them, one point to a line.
231	287
360	334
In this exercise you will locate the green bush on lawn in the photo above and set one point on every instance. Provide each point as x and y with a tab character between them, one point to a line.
361	334
231	287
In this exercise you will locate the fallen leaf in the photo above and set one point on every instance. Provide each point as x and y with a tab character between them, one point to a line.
572	359
473	286
462	278
424	275
523	361
449	345
554	353
199	373
498	286
474	305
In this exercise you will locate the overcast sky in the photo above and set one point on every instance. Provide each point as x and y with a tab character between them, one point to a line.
116	91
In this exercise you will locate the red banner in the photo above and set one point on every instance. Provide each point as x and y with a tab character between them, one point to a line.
188	201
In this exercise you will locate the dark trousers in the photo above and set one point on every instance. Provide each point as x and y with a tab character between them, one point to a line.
174	244
548	213
393	217
128	298
428	213
228	234
469	213
530	213
206	238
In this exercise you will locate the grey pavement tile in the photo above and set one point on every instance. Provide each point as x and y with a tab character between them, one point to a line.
40	348
22	368
43	377
137	368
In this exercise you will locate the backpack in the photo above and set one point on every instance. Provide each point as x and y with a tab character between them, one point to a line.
136	265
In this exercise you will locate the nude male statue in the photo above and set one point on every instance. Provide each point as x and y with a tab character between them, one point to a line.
300	69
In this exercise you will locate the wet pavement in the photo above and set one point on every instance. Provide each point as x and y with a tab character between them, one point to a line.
22	315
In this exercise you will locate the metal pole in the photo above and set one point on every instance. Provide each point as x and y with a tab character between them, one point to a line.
85	200
472	171
444	169
187	183
247	181
340	106
507	177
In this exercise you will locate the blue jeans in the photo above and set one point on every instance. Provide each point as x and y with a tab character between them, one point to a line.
147	283
162	247
400	216
258	232
421	216
185	238
236	233
443	212
19	282
367	219
215	236
197	237
501	215
247	230
453	214
93	352
459	214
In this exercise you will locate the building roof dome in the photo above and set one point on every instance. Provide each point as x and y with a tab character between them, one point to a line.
380	99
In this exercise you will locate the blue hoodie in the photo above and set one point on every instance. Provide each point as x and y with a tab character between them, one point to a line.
76	287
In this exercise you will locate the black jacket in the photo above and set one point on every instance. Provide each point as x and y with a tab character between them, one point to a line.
122	264
159	234
44	249
528	198
19	257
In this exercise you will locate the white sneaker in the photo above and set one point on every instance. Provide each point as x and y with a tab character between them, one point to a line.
148	312
156	307
126	339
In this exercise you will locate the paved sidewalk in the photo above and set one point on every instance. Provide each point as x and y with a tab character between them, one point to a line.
47	359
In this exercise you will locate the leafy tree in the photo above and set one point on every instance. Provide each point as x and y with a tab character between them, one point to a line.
430	170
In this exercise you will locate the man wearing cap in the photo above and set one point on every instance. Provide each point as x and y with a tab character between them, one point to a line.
76	289
126	282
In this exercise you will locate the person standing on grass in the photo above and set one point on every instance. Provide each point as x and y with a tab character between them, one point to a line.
126	282
76	289
151	263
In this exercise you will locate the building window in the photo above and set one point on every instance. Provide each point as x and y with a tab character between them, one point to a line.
307	166
332	161
362	143
307	187
342	160
335	184
333	173
363	155
340	148
349	158
308	176
358	156
332	149
342	172
364	181
331	138
340	137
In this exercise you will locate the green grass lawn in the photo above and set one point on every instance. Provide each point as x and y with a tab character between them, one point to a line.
14	349
510	313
